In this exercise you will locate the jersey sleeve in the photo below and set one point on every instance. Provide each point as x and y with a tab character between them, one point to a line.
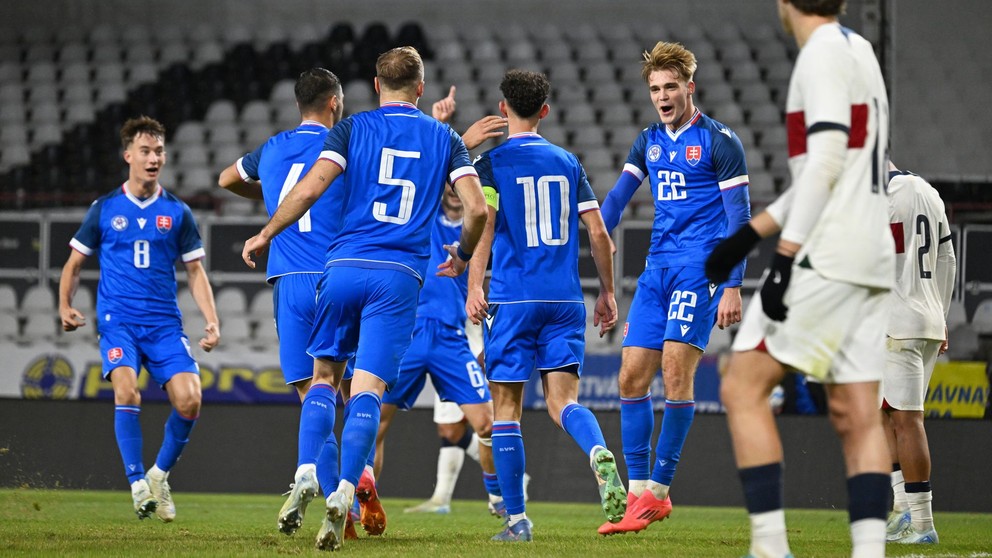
460	164
190	244
248	165
824	85
635	164
336	143
87	238
484	167
586	197
731	172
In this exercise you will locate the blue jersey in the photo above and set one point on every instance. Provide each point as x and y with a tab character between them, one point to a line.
392	192
538	190
139	242
699	183
443	298
280	163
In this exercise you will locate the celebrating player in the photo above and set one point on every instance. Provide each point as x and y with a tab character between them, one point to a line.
822	308
400	159
295	264
140	230
537	192
917	334
698	178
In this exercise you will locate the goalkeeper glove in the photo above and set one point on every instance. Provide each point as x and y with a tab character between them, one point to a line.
773	289
729	252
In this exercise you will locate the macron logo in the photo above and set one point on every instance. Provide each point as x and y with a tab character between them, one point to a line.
141	222
684	329
725	131
671	156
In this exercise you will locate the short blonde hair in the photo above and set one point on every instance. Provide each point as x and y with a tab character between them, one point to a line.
400	68
669	56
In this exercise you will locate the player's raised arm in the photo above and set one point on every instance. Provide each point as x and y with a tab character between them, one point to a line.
297	202
231	180
602	254
68	283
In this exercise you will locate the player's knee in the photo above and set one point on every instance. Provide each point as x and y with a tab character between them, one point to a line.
451	432
485	430
127	396
634	383
189	406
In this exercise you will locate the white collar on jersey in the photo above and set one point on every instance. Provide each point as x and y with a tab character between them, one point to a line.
524	135
448	222
311	123
675	135
142	203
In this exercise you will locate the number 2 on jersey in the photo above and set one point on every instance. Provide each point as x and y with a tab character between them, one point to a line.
291	179
671	185
537	209
923	229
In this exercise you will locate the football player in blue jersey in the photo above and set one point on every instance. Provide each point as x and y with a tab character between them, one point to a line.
295	265
695	166
537	192
440	344
139	231
394	161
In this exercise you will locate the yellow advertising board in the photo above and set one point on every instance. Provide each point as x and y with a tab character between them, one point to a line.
958	390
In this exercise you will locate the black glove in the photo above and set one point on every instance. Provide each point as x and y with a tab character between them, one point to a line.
773	289
729	253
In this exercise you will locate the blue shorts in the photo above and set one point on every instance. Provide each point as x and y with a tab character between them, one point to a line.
163	349
367	314
672	304
443	352
522	336
294	303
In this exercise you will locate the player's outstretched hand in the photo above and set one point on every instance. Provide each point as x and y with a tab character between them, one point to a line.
443	109
71	318
729	252
774	287
453	266
482	129
254	247
212	337
605	315
476	306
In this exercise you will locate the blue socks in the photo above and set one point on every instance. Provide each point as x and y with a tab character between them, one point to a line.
636	427
316	422
127	429
327	466
177	430
582	426
361	423
492	484
508	455
674	430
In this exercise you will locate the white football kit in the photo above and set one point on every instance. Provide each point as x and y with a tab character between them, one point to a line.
835	328
925	269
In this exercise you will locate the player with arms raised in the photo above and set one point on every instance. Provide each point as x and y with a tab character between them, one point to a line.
822	308
395	161
537	192
698	178
140	230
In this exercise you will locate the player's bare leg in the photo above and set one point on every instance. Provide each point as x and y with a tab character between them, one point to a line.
750	378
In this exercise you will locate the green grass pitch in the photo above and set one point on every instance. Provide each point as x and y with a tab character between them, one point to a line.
101	523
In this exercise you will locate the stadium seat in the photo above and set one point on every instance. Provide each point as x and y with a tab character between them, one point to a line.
197	178
46	134
39	328
187	305
260	308
236	330
80	113
981	321
190	157
229	132
9	328
14	155
258	133
83	301
231	301
962	343
956	315
720	340
8	299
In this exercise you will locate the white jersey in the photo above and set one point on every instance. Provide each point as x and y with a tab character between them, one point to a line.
837	85
924	259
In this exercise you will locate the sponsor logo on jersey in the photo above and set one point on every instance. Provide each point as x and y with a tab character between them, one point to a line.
163	223
115	355
654	153
693	153
119	222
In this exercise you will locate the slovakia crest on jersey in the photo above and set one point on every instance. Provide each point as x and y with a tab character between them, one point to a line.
119	222
693	153
115	355
163	223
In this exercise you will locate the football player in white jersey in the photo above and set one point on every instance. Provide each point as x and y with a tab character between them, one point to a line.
822	308
917	334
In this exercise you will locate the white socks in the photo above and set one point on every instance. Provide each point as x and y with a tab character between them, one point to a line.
473	448
303	469
899	503
449	465
868	538
768	538
637	487
920	510
659	490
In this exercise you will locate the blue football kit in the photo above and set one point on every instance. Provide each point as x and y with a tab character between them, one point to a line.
440	347
378	260
698	181
138	242
296	256
536	313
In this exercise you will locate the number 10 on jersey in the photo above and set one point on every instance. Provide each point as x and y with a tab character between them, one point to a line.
538	218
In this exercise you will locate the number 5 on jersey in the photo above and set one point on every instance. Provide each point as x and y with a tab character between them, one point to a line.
386	177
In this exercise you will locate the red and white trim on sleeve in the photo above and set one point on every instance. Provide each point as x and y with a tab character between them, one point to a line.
241	171
632	169
734	182
462	172
197	254
588	206
334	157
80	247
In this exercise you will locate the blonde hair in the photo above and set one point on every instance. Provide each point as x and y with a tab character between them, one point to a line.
669	56
400	68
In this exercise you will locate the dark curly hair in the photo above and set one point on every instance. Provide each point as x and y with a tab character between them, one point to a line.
314	87
525	91
141	125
